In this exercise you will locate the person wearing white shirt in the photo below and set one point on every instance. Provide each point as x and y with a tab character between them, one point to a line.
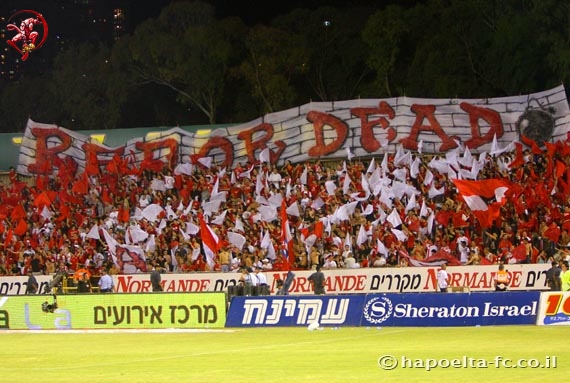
254	278
463	252
442	278
350	262
275	178
330	263
266	265
262	287
106	283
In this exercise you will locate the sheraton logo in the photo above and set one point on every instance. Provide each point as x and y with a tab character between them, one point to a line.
379	309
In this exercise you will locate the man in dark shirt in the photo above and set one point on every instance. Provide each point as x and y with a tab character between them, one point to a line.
553	277
155	279
32	285
84	284
318	279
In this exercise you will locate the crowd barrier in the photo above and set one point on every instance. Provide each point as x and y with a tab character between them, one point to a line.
114	311
391	309
340	281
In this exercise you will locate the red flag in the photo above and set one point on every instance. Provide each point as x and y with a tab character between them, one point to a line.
472	193
560	168
123	215
8	240
42	200
550	148
114	165
105	197
532	143
21	228
552	233
519	159
81	186
442	255
319	229
442	217
18	213
437	259
92	168
519	253
210	242
485	261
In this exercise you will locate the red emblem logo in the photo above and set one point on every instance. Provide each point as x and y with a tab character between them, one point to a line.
25	39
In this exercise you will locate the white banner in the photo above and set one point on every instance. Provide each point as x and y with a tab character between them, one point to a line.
340	281
363	127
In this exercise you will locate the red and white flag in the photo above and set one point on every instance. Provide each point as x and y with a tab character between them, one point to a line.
210	242
474	192
286	236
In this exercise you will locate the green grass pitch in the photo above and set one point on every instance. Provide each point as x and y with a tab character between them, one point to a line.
293	355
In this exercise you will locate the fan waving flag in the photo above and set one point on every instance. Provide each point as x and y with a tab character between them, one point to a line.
210	242
286	237
474	192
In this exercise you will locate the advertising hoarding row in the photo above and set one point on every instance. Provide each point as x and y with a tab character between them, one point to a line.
340	281
208	310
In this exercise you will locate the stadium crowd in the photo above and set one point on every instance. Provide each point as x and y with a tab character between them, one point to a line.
405	210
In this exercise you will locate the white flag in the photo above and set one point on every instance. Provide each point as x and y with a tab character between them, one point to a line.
239	226
402	237
94	233
264	156
362	237
294	209
206	161
236	239
394	218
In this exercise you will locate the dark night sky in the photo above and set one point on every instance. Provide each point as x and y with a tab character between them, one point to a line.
255	11
250	11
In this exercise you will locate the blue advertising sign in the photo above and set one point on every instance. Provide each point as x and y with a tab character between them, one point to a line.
273	311
452	309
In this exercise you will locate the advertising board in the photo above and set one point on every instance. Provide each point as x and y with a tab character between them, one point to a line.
554	308
114	311
392	309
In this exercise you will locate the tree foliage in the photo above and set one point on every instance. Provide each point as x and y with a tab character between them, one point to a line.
88	90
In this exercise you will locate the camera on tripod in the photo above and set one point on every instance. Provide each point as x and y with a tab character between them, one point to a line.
50	307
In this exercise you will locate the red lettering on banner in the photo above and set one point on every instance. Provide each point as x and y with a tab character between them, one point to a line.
251	146
552	304
222	144
431	280
367	139
557	303
345	283
184	285
493	119
427	112
127	284
148	149
319	120
44	155
92	151
515	278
